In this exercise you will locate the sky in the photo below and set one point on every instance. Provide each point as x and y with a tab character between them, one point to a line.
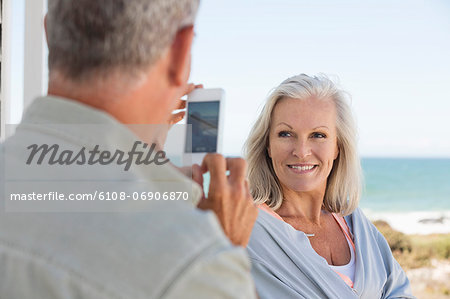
391	56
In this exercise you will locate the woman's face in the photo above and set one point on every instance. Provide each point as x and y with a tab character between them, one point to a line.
303	143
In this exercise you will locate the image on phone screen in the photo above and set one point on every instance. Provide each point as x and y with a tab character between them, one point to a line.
204	118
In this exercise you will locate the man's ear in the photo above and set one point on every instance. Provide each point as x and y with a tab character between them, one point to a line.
180	56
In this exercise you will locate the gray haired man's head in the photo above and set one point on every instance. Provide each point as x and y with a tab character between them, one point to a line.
97	37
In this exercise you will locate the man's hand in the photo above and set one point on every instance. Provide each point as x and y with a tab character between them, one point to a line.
193	172
229	197
161	134
181	104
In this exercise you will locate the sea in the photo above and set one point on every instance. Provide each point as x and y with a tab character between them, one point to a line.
411	194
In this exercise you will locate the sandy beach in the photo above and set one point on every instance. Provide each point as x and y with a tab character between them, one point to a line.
431	282
421	223
420	241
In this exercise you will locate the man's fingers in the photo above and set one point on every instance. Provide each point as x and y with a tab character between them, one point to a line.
204	204
197	174
216	165
190	87
177	117
237	168
181	104
230	198
247	188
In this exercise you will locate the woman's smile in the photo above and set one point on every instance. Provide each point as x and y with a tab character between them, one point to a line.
302	168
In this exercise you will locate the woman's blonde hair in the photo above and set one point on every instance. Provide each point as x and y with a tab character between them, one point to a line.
345	180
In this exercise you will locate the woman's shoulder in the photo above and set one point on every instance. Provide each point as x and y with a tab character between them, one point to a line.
262	238
266	225
269	232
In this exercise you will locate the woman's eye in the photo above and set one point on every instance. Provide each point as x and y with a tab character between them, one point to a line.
319	135
284	134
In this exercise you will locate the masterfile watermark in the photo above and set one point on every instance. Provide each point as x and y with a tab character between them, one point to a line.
146	156
89	168
101	196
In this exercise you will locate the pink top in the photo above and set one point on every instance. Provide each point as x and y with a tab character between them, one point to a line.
342	224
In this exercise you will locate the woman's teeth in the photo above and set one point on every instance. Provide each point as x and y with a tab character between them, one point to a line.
303	168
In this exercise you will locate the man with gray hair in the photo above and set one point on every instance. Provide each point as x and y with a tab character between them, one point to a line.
113	63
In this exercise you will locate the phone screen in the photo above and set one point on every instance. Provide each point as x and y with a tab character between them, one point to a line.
204	118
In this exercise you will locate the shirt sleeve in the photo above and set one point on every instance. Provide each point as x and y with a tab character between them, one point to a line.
396	284
379	271
219	272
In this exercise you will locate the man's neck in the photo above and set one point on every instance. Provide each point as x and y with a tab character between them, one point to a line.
129	101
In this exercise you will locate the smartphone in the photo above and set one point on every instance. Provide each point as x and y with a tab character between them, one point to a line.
204	114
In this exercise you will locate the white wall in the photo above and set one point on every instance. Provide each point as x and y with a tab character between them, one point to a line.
24	57
35	50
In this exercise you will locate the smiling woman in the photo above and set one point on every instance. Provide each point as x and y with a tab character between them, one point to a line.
303	143
311	104
305	174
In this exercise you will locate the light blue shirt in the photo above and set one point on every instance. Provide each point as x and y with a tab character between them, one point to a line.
172	250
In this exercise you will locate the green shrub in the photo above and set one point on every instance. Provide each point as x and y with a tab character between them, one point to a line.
397	241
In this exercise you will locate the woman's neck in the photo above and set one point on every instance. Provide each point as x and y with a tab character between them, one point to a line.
304	205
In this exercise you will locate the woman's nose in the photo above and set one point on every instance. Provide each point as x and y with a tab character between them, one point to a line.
302	149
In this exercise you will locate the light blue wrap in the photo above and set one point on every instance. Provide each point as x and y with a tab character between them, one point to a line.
284	265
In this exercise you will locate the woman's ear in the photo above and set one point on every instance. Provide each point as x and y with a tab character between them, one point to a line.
268	151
